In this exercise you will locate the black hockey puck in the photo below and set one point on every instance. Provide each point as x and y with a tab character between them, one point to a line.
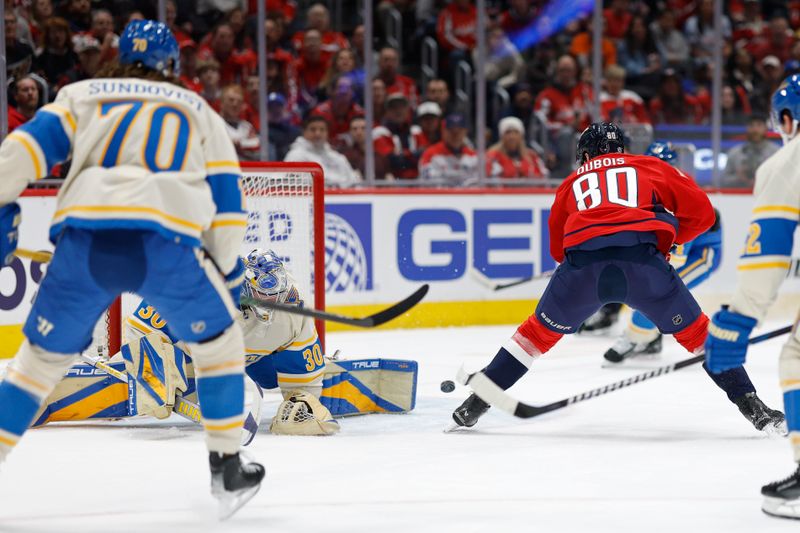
447	386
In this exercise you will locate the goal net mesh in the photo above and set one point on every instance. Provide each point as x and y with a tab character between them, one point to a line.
281	218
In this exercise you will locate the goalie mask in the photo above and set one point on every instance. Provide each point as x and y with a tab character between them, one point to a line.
267	279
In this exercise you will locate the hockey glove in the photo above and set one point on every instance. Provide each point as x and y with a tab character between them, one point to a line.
726	344
10	217
234	281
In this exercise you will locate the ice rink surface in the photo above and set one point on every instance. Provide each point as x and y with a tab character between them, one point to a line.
668	455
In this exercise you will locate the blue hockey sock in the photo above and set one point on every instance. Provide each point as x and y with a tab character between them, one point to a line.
791	403
735	382
17	409
505	369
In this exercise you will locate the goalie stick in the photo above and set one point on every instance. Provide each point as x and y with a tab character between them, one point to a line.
371	321
484	280
491	393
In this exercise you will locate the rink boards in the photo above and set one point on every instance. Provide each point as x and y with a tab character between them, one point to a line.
380	245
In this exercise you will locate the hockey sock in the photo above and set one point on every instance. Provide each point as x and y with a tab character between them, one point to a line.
735	382
219	364
641	330
505	369
31	377
791	404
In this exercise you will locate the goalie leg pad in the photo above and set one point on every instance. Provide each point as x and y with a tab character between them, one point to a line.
369	386
303	414
158	369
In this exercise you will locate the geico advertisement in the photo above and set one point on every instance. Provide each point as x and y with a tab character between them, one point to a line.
379	247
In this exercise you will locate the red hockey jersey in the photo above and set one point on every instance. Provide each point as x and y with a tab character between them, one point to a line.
621	192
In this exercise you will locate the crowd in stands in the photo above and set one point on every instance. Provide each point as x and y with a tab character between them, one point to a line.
656	56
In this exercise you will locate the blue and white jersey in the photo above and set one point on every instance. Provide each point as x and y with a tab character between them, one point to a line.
767	252
697	259
144	155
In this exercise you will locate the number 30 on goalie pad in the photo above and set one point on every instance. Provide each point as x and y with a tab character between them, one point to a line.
363	386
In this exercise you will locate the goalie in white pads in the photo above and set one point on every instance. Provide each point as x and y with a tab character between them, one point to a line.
282	350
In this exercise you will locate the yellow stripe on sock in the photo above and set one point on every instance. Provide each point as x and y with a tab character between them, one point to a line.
15	375
7	441
224	427
220	366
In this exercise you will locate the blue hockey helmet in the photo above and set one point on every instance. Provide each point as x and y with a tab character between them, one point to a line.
786	100
266	278
151	44
600	138
663	151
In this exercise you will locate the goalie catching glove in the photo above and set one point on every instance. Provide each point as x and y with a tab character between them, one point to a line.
301	413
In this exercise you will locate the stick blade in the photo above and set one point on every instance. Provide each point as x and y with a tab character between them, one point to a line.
400	308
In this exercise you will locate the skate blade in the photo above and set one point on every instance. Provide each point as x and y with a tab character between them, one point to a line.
781	430
781	508
454	428
230	502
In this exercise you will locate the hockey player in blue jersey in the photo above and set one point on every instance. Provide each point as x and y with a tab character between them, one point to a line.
762	268
152	204
695	261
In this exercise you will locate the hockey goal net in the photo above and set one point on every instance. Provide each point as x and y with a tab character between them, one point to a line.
285	204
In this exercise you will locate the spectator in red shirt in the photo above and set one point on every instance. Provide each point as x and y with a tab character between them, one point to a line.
189	76
388	66
235	66
394	141
450	161
428	129
518	16
751	22
672	105
618	18
310	68
457	26
776	40
510	158
27	97
171	11
339	110
318	18
619	105
565	103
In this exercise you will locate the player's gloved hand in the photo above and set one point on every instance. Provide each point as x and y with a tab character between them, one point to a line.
728	336
234	281
9	223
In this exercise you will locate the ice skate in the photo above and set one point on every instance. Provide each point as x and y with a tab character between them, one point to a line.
782	498
624	349
602	321
763	418
233	482
470	411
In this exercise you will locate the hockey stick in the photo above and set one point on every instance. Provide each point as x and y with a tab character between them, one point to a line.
491	393
484	280
371	321
182	406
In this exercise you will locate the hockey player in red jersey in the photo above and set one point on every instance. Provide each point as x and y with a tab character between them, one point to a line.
612	224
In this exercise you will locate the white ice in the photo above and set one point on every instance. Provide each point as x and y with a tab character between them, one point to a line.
668	455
